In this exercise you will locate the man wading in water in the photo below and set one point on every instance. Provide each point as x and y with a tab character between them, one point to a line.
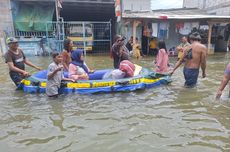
194	57
16	61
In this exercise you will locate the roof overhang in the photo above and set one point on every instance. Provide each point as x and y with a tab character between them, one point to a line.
166	16
174	14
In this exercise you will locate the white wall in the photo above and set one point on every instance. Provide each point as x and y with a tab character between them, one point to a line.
136	5
191	3
220	11
6	21
218	7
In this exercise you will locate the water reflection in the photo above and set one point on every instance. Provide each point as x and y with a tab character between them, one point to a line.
166	118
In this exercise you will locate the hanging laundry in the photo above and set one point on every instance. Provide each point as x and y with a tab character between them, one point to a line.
204	27
154	29
146	31
163	30
163	26
195	25
179	25
186	29
163	34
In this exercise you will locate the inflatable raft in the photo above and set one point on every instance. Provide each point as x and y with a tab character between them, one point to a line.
144	80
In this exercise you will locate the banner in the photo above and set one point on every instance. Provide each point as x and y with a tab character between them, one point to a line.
118	10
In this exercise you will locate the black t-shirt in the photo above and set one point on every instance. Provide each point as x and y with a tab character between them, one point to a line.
17	59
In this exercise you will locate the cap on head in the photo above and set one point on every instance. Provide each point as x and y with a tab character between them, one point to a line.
11	40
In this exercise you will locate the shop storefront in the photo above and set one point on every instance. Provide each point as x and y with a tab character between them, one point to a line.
171	25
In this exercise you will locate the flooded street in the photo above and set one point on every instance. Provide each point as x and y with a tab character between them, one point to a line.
166	118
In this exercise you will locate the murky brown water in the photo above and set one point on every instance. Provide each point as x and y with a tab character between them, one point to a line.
167	118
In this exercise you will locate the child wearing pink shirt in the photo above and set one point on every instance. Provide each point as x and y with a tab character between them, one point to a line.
162	59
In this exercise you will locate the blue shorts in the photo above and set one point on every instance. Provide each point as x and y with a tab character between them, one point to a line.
16	78
190	76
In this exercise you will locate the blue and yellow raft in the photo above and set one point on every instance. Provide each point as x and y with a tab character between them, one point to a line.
144	80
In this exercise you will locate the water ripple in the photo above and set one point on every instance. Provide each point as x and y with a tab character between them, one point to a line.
165	118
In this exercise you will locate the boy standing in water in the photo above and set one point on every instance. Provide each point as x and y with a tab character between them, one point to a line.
55	76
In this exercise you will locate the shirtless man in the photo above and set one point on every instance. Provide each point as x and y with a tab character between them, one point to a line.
194	57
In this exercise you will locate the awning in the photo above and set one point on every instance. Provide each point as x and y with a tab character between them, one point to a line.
181	14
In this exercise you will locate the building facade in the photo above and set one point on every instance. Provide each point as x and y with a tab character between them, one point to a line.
213	7
34	21
5	15
171	24
136	5
6	23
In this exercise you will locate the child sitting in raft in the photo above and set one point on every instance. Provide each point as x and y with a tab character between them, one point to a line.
55	76
78	70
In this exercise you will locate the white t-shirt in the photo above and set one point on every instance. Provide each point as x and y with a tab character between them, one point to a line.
53	84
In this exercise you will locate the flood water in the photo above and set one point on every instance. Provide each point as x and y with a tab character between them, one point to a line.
162	119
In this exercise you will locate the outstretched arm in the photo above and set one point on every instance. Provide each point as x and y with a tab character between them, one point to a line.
179	62
27	62
89	70
223	84
176	66
68	79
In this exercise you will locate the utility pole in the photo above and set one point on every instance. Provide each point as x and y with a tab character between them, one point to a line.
57	10
57	24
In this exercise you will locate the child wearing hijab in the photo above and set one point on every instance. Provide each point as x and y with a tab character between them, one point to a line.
78	70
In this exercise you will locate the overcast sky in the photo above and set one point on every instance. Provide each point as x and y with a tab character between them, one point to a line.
166	4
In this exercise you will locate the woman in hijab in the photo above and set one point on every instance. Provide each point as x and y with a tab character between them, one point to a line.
78	70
